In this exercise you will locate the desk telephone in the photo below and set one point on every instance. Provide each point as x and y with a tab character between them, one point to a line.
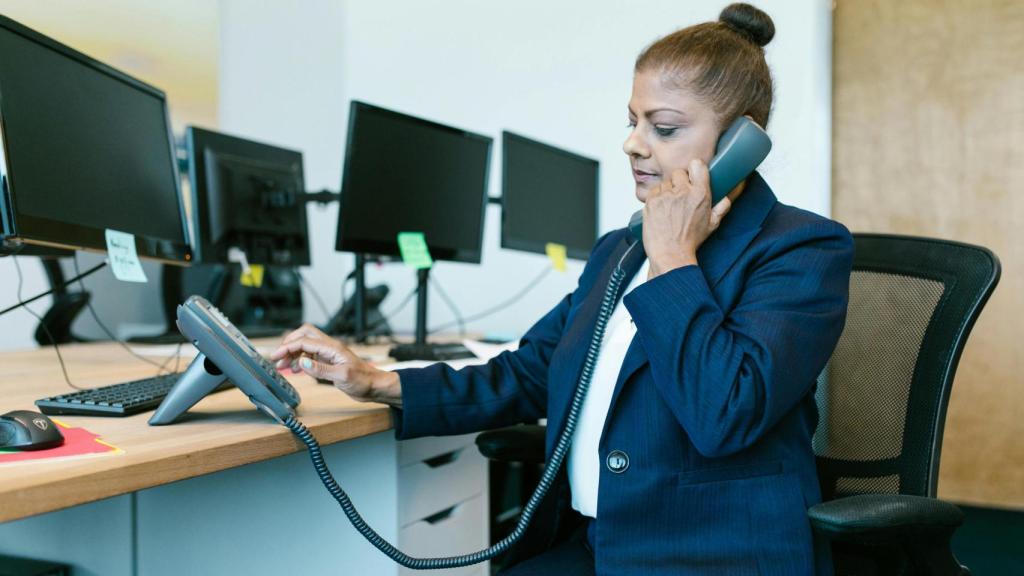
226	353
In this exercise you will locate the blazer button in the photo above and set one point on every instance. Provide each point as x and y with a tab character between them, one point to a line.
617	461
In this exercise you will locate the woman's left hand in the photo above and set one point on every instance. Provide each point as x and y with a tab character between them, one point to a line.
679	217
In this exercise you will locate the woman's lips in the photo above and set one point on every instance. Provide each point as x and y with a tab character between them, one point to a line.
642	177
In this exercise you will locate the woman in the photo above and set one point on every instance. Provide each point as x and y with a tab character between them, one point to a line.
693	451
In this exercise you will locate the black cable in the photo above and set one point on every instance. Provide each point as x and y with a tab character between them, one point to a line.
53	341
498	308
176	358
451	305
551	469
316	296
51	290
96	317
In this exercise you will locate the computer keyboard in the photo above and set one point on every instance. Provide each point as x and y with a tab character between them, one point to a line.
122	399
403	352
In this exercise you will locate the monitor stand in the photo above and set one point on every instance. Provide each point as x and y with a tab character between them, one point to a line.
55	326
421	349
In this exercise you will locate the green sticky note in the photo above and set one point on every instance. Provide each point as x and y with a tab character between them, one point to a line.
414	250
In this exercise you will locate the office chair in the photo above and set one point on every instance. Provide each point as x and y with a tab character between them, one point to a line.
882	405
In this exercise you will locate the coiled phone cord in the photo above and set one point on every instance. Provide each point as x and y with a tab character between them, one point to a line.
547	478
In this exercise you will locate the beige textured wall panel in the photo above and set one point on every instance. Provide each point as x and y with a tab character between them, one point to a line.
928	139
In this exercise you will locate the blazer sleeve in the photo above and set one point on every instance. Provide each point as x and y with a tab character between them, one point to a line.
730	377
509	389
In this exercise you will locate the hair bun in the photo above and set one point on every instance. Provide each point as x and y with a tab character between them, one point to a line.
752	23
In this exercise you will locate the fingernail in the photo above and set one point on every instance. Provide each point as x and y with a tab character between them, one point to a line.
306	363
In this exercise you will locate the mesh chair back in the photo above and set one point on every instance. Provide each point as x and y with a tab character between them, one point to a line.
882	398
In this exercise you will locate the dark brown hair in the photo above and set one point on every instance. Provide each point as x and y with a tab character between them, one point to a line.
722	62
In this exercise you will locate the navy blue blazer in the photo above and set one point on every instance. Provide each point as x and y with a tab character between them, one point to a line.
714	404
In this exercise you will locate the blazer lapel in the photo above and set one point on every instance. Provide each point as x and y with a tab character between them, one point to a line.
581	330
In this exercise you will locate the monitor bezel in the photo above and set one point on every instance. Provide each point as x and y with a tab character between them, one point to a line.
364	246
197	141
509	240
24	229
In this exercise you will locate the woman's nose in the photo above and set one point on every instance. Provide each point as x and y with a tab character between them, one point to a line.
634	145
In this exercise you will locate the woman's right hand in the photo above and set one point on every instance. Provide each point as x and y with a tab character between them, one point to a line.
309	350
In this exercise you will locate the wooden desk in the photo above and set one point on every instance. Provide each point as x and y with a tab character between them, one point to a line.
222	431
218	493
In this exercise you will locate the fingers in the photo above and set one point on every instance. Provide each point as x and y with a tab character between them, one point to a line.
719	211
679	179
317	369
305	331
694	178
323	350
700	178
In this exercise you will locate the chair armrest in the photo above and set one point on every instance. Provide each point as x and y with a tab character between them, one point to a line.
880	518
513	444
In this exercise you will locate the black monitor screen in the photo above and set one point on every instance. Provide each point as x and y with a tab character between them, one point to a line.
246	195
548	195
87	148
405	174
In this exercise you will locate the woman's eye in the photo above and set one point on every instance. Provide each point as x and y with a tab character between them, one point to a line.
631	124
665	131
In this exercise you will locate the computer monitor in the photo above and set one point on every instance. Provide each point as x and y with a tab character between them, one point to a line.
548	195
246	195
406	174
83	148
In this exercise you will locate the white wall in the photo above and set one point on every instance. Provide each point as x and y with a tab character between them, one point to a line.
556	71
17	327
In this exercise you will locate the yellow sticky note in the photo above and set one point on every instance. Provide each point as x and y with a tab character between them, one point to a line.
556	252
254	279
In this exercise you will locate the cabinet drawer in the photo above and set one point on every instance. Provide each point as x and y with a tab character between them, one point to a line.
430	486
459	529
419	449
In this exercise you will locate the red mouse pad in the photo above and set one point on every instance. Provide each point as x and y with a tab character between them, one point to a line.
77	442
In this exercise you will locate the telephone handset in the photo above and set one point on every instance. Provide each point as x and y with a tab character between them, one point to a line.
741	149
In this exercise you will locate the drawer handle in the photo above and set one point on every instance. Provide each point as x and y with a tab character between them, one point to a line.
440	516
438	461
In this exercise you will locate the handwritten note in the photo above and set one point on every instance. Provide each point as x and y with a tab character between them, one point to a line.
124	260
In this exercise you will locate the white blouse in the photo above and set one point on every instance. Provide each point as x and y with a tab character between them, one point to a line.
584	460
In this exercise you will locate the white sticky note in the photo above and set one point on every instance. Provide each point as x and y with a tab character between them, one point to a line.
124	261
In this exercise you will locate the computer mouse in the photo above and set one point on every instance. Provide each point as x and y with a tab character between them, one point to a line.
28	430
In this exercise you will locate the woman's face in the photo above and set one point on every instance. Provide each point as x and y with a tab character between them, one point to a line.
669	127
